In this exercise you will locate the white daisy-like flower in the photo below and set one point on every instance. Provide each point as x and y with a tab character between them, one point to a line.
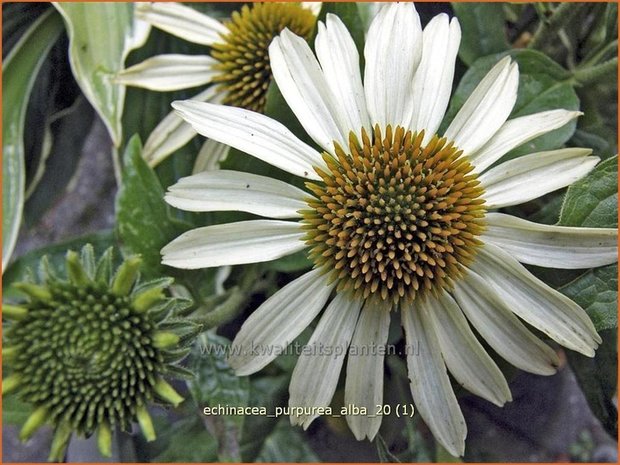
237	68
397	219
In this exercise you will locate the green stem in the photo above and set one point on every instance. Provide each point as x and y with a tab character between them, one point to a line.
589	75
611	48
233	304
547	30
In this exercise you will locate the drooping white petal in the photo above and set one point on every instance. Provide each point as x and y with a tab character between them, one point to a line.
392	52
538	304
173	132
430	385
364	380
303	86
465	357
531	176
211	154
518	131
253	133
182	21
169	72
432	83
501	329
339	60
552	246
233	244
316	374
224	190
277	322
486	109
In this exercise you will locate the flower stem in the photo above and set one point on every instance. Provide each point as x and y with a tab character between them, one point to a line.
592	74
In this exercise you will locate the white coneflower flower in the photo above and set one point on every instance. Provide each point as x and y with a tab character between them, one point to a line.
398	218
237	66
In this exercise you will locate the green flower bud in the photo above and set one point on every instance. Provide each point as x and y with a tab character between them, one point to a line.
89	348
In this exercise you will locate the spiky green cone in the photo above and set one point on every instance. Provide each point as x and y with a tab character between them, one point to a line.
90	350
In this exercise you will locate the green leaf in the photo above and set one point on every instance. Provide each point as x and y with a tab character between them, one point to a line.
216	384
596	291
483	30
597	377
286	444
101	35
144	224
185	440
543	85
19	73
268	392
593	200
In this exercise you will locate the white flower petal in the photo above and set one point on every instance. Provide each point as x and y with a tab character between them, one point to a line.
234	244
173	132
253	133
518	131
224	190
501	329
538	304
465	357
432	83
339	60
486	109
364	380
314	7
277	322
169	72
211	154
430	386
531	176
552	246
392	54
305	89
316	374
182	21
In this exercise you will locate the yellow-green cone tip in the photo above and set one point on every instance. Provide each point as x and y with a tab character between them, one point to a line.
33	290
33	423
145	300
59	443
165	339
10	383
14	312
167	392
126	276
146	423
75	270
104	440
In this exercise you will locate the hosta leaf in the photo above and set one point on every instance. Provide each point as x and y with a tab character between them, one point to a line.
19	73
101	35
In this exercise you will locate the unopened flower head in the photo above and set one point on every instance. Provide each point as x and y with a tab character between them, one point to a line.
396	216
89	351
